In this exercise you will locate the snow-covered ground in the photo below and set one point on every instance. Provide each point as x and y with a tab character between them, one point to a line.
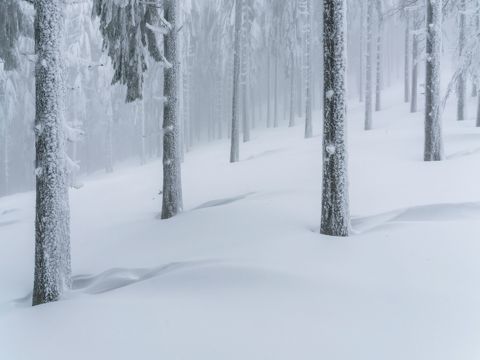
243	273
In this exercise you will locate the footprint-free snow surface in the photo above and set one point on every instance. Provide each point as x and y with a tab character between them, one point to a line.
243	273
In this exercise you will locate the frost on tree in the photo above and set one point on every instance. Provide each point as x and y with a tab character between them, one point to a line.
172	190
368	67
12	25
235	137
52	221
335	209
461	82
308	68
433	128
128	28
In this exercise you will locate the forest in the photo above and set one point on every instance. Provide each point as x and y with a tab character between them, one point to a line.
239	179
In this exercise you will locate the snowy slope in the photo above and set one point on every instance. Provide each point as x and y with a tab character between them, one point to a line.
243	273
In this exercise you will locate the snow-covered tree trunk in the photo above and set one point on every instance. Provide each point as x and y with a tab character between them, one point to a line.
269	85
415	59
235	127
368	67
172	184
361	59
335	208
244	74
291	121
379	65
462	83
476	4
407	59
275	94
308	72
52	221
433	126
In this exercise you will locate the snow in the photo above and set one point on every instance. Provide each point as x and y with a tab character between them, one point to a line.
243	272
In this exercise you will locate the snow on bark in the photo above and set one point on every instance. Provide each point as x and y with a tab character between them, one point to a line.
462	83
335	208
433	128
235	127
52	221
368	68
415	60
308	66
379	64
407	60
172	185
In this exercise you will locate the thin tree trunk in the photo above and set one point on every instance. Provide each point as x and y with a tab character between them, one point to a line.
291	121
308	75
172	184
335	208
235	138
414	99
407	59
52	220
369	77
433	127
462	84
379	67
269	96
275	95
362	52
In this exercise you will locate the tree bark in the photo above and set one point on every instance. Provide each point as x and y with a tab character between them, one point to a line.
308	75
52	220
368	66
335	208
172	183
433	127
235	137
462	83
407	60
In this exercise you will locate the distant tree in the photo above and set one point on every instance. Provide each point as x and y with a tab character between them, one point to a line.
307	7
368	66
235	137
461	82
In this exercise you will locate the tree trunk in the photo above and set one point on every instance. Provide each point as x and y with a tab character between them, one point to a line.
407	59
335	208
362	52
462	84
269	96
308	75
275	95
368	66
379	77
433	126
235	138
52	220
414	99
172	184
291	121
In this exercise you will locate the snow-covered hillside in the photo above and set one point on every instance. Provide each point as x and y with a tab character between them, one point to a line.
244	274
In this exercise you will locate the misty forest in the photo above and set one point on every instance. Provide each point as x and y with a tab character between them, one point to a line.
240	179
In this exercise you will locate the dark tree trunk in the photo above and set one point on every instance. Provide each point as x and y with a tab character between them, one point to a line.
335	209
